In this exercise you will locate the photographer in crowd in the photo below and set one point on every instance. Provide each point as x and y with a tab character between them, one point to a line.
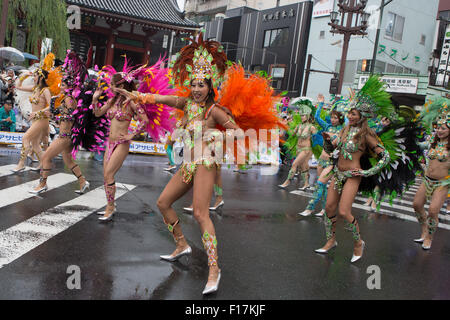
7	117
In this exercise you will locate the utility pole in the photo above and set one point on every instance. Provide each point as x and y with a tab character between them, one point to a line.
349	8
377	38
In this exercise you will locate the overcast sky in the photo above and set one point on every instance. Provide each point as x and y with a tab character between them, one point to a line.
181	4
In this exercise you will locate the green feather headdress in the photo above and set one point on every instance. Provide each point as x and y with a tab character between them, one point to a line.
305	107
437	110
373	100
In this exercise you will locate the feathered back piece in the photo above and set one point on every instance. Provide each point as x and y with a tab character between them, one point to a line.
373	100
155	79
199	60
75	73
89	131
250	100
435	110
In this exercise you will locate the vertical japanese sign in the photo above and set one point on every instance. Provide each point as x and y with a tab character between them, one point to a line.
444	67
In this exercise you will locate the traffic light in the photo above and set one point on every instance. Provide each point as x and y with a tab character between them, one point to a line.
334	86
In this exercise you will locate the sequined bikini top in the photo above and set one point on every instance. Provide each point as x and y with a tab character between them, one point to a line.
439	152
302	128
119	114
65	112
35	99
348	146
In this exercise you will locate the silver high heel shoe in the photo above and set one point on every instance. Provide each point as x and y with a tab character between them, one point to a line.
18	170
420	240
85	187
213	288
108	217
356	258
171	258
41	190
221	203
188	209
326	251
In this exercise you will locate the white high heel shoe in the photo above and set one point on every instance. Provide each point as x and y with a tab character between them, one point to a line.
85	187
320	214
171	258
305	213
188	209
214	288
221	203
420	240
356	258
326	251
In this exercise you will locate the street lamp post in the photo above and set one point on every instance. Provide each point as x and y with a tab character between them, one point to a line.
353	26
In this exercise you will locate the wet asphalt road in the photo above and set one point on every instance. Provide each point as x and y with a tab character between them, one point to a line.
266	250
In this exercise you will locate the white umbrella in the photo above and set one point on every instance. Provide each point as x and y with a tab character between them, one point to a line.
11	53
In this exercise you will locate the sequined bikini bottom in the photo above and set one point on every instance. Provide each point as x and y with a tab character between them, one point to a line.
188	169
431	185
112	145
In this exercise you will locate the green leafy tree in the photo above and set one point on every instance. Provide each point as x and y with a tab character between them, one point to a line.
43	19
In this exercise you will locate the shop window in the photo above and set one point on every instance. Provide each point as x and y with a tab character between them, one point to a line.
394	26
276	38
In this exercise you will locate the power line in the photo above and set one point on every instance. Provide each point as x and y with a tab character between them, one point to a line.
323	64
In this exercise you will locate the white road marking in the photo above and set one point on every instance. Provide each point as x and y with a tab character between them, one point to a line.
25	236
6	170
19	193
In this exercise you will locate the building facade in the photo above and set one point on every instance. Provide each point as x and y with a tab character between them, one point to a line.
143	30
206	10
440	65
405	45
273	40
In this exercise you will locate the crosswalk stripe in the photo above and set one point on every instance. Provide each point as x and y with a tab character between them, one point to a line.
20	192
386	211
401	216
25	236
6	170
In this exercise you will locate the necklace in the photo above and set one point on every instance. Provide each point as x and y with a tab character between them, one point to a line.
194	109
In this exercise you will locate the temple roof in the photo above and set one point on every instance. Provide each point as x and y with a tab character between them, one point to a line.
159	11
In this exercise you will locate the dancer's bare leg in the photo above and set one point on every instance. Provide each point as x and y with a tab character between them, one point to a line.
203	189
110	168
173	191
31	140
72	165
345	210
330	216
302	156
419	208
437	201
55	148
218	191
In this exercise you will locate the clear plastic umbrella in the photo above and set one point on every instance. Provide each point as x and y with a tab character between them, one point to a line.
11	53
